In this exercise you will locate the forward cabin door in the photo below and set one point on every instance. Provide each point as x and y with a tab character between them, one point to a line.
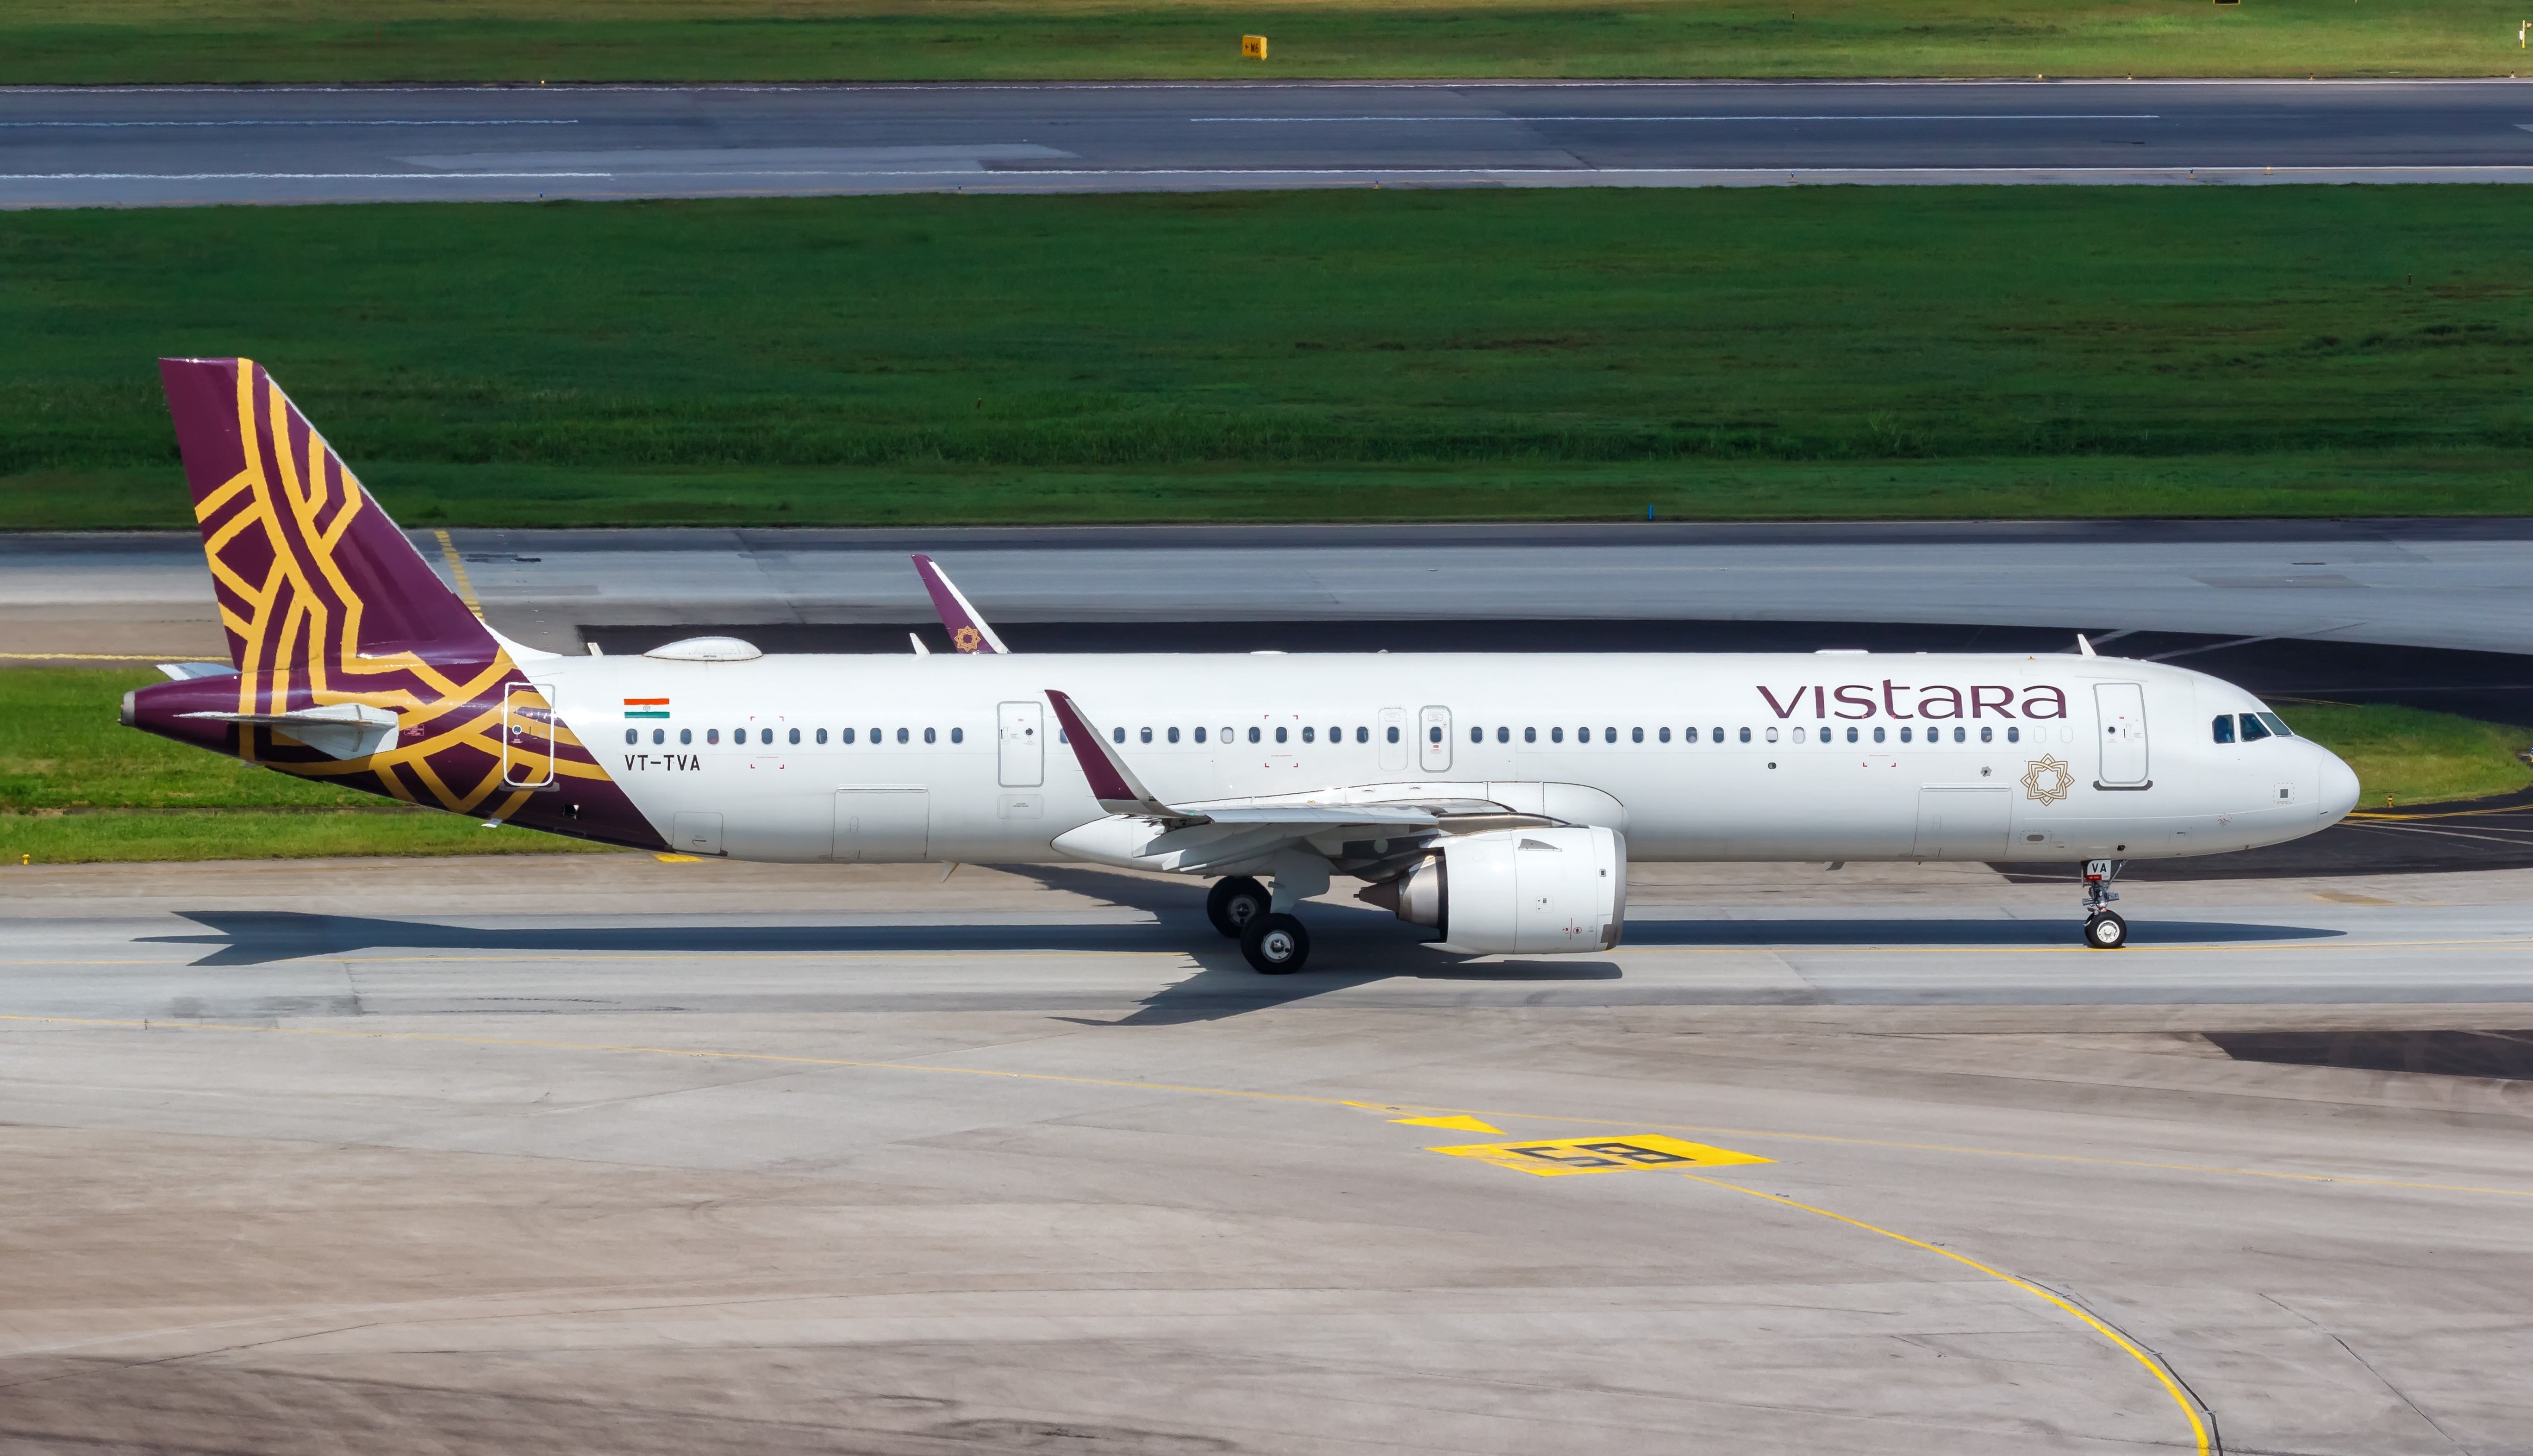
527	736
1434	741
1392	735
1023	745
2123	709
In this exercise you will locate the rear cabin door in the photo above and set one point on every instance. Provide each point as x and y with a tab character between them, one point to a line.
1023	745
2123	709
1434	741
1392	736
882	825
527	736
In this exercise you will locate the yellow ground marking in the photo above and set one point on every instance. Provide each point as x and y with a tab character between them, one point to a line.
2445	814
1129	1085
678	858
1454	1123
457	573
91	657
1633	1153
2155	1367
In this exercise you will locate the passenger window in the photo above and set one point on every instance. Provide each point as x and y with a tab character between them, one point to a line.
876	736
1279	735
712	736
927	736
1253	736
1433	733
2252	728
1904	732
1363	736
1117	734
632	736
2277	725
685	736
1987	735
1772	735
1688	735
796	735
2224	727
1609	736
900	736
1877	732
1229	735
1200	736
1310	735
1530	736
822	735
1716	736
1174	735
1504	735
1850	736
958	736
1636	735
1148	736
1961	736
1666	735
1393	734
1745	735
1477	735
2012	733
659	736
1557	735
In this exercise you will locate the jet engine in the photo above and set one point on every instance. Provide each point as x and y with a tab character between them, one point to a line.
1516	890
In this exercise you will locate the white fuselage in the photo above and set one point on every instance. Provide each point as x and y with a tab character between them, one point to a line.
1704	757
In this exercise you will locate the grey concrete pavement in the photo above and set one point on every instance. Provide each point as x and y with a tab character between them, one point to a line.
137	147
741	1183
2454	584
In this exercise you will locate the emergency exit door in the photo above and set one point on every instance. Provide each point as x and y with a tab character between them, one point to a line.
1023	745
1434	740
2122	706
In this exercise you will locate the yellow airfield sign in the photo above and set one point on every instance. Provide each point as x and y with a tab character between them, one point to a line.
1633	1153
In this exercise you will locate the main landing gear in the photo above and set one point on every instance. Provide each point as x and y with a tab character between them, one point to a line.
1273	940
2104	930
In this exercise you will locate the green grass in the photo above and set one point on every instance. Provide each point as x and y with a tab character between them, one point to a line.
275	40
1332	355
2411	756
75	785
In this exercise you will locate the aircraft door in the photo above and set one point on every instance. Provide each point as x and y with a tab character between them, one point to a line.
1392	735
527	736
882	825
2123	731
1023	745
1434	740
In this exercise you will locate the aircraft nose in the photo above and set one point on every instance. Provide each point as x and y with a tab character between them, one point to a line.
2338	788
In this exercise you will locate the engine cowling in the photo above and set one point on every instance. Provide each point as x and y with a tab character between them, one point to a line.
1517	891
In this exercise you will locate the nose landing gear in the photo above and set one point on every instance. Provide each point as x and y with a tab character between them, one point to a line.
2105	929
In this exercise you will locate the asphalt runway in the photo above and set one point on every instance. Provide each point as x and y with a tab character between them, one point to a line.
602	1154
2465	585
144	146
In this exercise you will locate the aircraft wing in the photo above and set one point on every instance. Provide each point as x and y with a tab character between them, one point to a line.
968	630
1212	838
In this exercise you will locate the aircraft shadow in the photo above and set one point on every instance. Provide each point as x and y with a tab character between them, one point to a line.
1934	934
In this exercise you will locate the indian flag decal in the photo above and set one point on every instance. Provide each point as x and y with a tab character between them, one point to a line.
646	706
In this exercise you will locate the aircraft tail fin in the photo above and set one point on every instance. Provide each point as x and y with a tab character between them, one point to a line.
314	580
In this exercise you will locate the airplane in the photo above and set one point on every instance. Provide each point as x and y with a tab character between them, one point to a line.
1495	799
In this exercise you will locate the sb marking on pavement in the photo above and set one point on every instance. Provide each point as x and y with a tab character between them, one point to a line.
1600	1154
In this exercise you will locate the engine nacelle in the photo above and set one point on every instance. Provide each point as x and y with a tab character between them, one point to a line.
1517	891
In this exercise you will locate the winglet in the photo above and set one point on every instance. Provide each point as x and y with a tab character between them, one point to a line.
1114	784
2083	646
968	630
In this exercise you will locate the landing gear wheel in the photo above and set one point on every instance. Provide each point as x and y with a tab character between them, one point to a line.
1233	903
1275	945
2106	931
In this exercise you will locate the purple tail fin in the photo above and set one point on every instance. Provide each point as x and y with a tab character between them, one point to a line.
315	582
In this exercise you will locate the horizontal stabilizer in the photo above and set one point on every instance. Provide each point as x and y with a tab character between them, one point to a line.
181	671
336	730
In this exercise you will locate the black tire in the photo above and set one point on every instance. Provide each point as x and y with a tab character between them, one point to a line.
2106	931
1275	945
1233	903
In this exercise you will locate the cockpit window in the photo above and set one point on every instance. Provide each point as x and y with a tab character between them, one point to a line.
2224	728
2253	730
2277	725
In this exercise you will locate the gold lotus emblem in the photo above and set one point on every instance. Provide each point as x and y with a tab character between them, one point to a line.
967	639
2047	781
